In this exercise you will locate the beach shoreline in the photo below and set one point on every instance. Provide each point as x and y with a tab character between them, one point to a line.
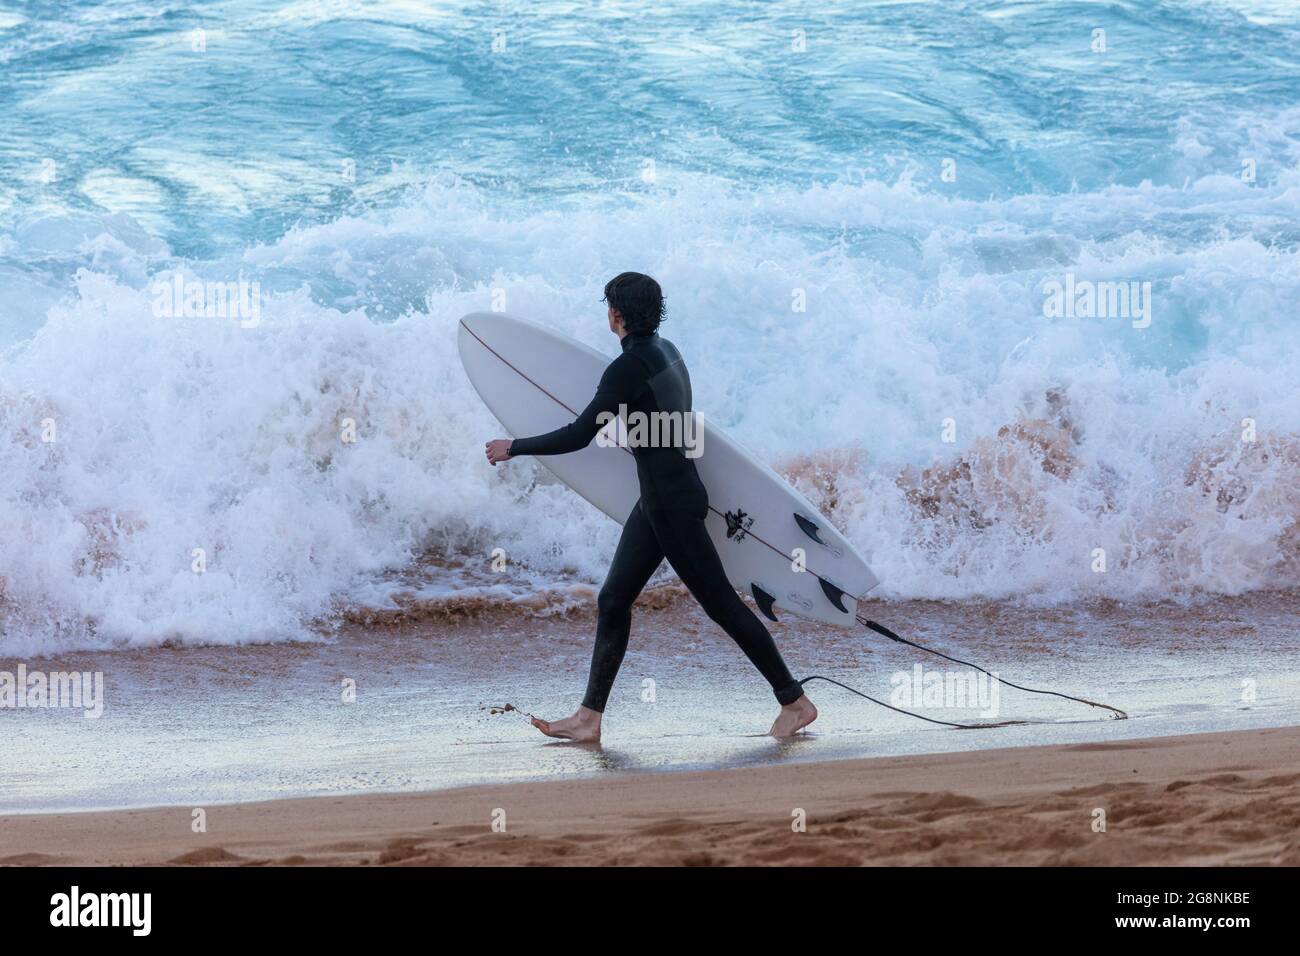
415	706
1198	799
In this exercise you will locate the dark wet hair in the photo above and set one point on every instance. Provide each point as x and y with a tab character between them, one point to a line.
638	299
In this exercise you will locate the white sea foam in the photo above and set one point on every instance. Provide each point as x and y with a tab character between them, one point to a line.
176	434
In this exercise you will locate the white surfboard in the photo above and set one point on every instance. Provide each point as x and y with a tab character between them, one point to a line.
535	380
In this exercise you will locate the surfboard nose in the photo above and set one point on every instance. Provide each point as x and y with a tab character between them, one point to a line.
478	325
474	320
485	330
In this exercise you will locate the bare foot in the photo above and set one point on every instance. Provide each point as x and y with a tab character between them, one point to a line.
793	718
582	727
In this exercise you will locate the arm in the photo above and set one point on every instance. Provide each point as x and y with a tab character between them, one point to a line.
620	384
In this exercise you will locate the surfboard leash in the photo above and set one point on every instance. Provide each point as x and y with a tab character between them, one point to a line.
891	635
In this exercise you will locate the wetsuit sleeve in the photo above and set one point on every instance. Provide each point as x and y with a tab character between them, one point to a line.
620	385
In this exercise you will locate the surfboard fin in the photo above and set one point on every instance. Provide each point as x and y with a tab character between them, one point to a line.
808	527
833	594
764	601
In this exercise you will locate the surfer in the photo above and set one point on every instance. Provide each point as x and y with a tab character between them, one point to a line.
667	522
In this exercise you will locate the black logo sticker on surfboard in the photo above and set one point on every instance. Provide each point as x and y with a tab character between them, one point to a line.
738	524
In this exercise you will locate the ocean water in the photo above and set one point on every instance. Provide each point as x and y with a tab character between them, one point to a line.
857	213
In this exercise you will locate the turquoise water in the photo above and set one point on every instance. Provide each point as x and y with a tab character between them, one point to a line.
213	151
913	172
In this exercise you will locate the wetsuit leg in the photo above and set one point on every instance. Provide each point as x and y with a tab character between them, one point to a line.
637	558
689	549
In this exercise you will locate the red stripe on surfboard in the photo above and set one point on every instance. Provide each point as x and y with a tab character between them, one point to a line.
524	375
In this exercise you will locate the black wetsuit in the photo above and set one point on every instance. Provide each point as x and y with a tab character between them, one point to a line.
668	521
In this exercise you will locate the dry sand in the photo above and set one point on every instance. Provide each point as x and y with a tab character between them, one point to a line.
1227	798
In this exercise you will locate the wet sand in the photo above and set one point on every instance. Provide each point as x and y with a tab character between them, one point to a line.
1203	799
206	726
